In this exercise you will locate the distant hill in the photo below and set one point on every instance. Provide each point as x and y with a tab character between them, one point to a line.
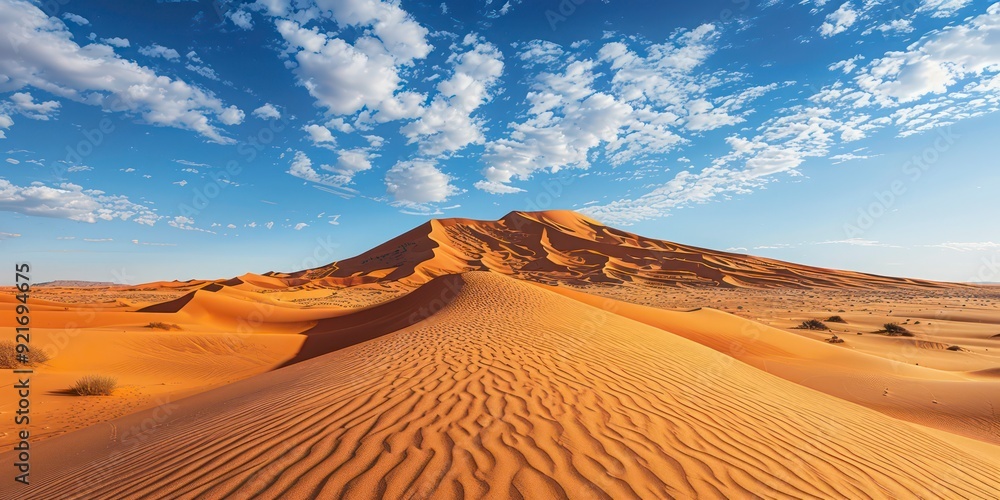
77	284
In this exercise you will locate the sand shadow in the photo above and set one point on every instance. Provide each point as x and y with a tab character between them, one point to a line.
333	334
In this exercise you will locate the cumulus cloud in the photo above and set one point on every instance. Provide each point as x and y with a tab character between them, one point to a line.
231	116
418	182
267	112
302	168
157	50
319	134
25	104
937	62
116	42
447	124
337	175
5	123
39	52
839	20
346	77
77	19
71	201
241	18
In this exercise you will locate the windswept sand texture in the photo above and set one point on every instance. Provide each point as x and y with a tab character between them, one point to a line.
586	362
496	396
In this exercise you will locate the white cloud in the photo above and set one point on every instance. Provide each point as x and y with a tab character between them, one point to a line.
13	161
783	143
157	50
70	201
347	77
300	225
319	134
942	8
349	163
301	167
839	20
186	223
267	112
338	175
447	124
980	246
116	42
40	52
895	26
147	243
232	116
340	125
241	18
25	104
79	168
192	164
568	118
204	71
6	236
858	242
418	182
847	65
5	123
80	20
937	62
658	91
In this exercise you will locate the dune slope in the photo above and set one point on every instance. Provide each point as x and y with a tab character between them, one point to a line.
507	391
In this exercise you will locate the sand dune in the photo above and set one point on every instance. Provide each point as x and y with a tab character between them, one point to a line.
509	390
563	246
956	402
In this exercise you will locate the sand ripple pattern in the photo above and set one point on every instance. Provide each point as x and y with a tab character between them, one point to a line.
511	391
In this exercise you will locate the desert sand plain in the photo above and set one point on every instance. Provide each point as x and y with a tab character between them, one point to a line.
542	355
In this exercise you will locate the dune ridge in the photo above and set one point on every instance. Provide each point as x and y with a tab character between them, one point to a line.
493	395
564	246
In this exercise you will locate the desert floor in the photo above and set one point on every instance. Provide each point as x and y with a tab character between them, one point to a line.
484	385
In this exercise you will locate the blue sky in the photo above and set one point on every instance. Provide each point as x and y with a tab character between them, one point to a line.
179	139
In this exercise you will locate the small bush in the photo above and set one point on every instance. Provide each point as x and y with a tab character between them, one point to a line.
8	356
835	340
95	385
813	324
955	348
835	319
895	329
159	325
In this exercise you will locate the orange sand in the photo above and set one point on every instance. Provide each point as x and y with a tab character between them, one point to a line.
404	373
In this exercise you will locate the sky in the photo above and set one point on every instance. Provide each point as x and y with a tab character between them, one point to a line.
146	140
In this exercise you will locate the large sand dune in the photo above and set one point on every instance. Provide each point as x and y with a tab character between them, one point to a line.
509	391
563	246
